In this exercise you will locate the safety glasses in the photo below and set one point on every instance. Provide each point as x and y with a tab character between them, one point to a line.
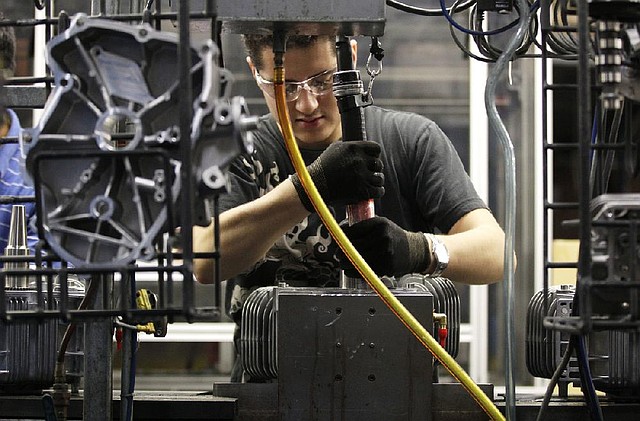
319	84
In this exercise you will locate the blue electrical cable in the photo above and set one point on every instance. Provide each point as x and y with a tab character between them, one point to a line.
586	380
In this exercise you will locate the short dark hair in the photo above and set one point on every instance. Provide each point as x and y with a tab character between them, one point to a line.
7	46
254	44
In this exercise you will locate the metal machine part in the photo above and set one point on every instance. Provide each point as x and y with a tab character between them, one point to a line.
347	356
609	63
225	134
338	353
545	348
28	347
106	157
445	300
614	354
615	49
258	342
17	246
615	272
365	17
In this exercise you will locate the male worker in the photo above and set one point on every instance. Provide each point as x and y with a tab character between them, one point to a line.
11	179
269	230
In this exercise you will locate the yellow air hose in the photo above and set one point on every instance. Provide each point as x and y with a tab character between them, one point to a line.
359	263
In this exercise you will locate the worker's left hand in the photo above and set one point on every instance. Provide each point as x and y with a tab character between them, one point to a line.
387	248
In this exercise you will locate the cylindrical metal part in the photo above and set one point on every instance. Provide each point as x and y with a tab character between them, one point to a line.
348	90
17	246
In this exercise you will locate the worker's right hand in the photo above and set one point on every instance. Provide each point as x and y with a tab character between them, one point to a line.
345	173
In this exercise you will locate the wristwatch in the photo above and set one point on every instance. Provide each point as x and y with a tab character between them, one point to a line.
439	254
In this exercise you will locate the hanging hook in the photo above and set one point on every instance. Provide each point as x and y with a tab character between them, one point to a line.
375	50
39	4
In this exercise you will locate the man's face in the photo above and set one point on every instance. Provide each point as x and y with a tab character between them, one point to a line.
315	118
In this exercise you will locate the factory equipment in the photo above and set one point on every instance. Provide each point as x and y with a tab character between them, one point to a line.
610	302
335	353
329	221
598	318
613	353
260	335
117	137
28	348
344	342
109	159
545	348
112	160
111	123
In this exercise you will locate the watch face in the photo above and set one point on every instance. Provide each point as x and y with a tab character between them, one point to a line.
439	254
442	254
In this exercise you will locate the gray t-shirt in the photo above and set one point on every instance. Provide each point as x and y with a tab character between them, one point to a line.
426	189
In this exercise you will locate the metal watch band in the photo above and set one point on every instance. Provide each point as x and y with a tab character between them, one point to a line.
439	253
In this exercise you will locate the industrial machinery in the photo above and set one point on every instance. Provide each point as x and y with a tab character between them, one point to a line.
108	160
136	134
28	349
337	351
118	139
610	304
587	334
353	369
115	160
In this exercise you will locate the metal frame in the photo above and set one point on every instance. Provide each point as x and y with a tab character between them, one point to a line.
170	273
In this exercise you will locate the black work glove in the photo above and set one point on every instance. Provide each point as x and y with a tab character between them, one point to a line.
345	173
387	248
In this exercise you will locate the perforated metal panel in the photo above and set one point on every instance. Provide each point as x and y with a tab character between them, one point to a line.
343	355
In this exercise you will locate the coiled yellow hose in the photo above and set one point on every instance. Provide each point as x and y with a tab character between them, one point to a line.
361	265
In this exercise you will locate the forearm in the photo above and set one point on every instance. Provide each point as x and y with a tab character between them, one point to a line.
473	260
247	232
476	250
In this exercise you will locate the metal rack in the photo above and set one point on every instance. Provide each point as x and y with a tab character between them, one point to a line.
584	151
552	204
168	271
111	287
605	306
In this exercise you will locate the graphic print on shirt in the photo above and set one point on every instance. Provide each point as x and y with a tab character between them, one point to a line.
306	251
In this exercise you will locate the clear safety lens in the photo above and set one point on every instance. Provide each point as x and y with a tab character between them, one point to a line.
319	84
